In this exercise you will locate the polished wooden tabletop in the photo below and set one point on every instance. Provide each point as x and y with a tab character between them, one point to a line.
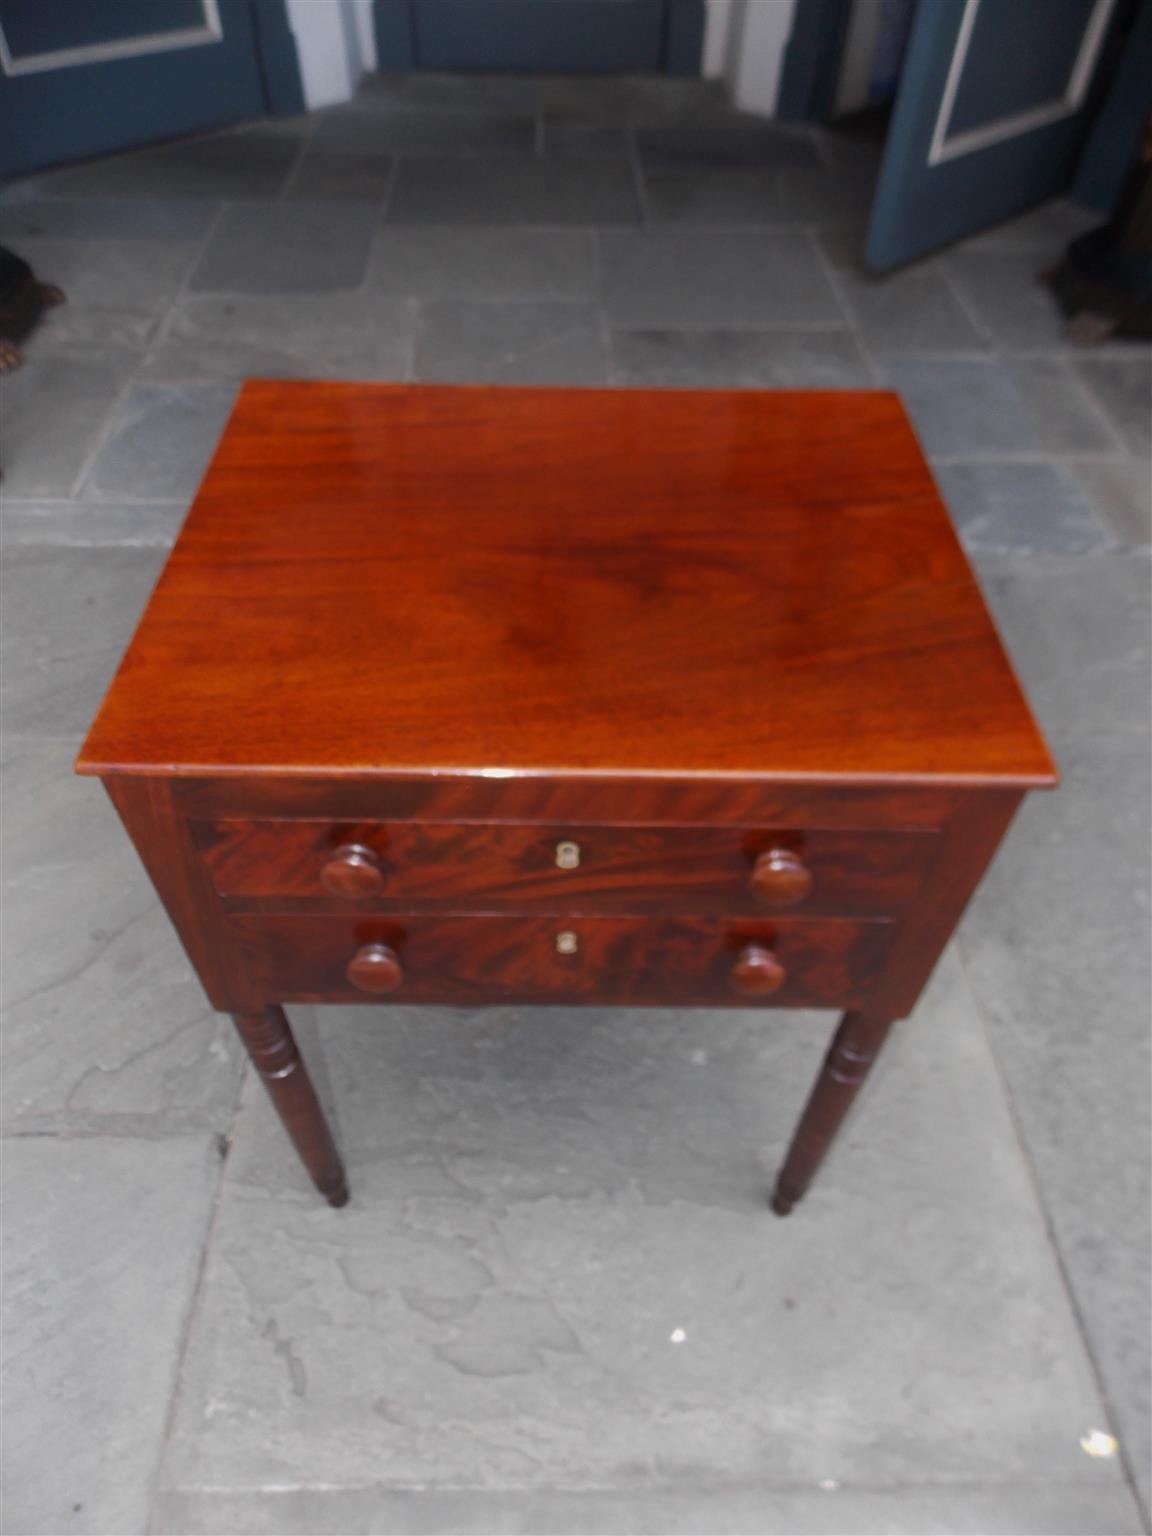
387	578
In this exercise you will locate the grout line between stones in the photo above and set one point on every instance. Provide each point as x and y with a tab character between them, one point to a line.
964	304
132	377
155	1482
824	261
640	191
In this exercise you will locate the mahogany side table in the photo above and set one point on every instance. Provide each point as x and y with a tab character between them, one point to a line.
468	695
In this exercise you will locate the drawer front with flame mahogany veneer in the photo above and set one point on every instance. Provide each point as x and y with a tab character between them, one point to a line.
410	866
519	696
468	959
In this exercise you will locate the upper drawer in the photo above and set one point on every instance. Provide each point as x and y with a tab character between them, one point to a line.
562	868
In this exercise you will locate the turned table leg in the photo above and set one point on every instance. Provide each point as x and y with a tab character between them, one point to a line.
275	1056
854	1048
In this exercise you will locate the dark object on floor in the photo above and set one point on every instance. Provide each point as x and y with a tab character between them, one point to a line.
1104	284
22	302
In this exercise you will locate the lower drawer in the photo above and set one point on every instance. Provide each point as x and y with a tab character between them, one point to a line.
818	963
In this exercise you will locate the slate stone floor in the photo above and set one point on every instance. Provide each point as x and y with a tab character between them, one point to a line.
556	1302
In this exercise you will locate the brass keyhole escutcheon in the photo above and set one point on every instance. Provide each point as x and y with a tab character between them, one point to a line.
567	943
567	855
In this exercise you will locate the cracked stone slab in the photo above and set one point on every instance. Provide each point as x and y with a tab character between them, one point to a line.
557	1269
105	1026
102	1247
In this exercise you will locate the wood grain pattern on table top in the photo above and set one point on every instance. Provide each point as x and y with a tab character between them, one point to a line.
381	579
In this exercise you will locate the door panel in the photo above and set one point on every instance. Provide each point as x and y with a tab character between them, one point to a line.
568	36
994	103
32	29
540	34
79	80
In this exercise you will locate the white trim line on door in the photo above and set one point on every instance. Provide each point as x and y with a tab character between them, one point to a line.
119	48
944	148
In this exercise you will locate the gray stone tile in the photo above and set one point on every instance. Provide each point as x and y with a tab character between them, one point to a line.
102	1246
86	523
159	442
839	199
689	278
681	1511
449	262
966	409
1121	491
122	275
53	410
521	343
689	195
306	336
1021	507
216	165
1123	387
1047	228
67	616
740	359
85	328
433	92
294	247
340	178
581	138
467	134
725	139
849	147
1078	633
629	99
541	1200
106	1028
1015	310
513	192
908	312
1056	946
120	219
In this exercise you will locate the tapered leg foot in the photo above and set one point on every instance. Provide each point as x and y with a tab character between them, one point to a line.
275	1055
854	1048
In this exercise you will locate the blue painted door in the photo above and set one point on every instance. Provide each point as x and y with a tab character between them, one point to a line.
569	36
995	101
78	77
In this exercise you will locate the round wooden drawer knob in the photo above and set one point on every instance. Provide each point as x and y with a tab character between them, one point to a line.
780	878
353	870
757	972
375	968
